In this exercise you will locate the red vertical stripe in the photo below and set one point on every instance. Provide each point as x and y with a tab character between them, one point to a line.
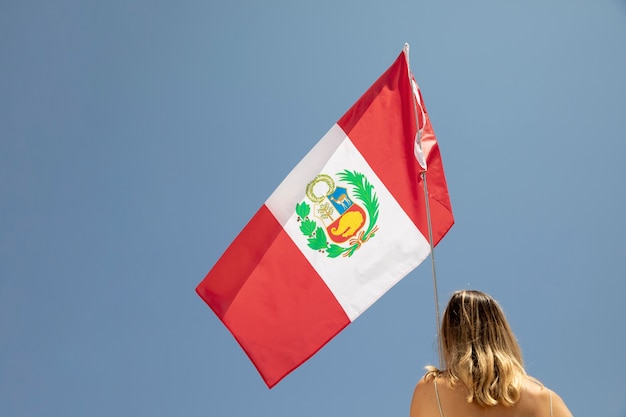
381	124
271	299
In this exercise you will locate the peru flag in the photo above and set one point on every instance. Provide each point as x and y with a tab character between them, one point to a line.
341	229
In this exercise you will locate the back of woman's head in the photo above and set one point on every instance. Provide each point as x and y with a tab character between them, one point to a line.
480	350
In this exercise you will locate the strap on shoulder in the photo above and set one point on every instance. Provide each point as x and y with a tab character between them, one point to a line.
550	393
439	402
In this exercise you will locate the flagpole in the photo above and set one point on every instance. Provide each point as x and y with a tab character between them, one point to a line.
432	259
419	154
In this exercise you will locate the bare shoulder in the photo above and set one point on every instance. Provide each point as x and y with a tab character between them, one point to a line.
537	397
559	407
425	385
424	390
423	401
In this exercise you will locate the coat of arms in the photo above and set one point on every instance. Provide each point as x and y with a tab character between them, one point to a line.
347	216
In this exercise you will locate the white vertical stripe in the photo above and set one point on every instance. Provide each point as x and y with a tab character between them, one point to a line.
395	250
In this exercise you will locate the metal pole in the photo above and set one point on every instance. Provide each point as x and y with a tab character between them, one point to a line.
418	142
432	258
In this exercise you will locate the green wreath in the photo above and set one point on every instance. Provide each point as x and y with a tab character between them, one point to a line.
316	237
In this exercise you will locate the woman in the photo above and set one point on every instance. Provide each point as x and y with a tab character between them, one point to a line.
484	374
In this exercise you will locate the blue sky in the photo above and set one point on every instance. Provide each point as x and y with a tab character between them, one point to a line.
138	138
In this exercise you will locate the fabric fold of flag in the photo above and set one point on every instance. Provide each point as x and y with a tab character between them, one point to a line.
346	224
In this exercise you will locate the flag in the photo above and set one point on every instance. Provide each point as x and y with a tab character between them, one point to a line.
346	224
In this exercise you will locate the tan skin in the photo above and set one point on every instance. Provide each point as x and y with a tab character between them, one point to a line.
534	402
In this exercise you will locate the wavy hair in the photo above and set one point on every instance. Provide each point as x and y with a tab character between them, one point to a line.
480	350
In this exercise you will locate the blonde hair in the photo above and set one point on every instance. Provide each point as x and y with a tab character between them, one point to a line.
480	350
